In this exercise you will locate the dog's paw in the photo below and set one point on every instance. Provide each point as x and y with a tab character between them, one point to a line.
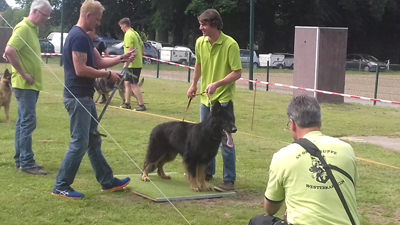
195	189
145	178
204	189
165	177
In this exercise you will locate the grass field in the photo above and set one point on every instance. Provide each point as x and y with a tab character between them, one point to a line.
26	199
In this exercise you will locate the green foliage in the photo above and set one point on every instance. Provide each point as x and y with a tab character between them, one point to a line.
14	16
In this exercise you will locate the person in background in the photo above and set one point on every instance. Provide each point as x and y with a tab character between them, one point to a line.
23	52
299	180
102	49
218	65
132	41
80	59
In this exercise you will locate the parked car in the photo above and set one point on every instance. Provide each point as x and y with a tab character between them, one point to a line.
245	58
149	50
55	39
46	46
159	44
288	61
108	41
364	62
179	54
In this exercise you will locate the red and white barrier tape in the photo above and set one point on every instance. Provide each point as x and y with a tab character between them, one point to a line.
270	83
168	62
51	54
321	91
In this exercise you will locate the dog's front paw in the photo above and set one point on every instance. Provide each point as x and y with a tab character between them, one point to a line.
166	176
195	189
145	178
203	189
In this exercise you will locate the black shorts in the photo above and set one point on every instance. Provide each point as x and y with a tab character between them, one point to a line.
133	74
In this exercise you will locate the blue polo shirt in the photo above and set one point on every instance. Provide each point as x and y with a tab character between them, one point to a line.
77	40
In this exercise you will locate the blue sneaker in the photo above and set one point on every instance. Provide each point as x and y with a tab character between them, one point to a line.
117	185
67	193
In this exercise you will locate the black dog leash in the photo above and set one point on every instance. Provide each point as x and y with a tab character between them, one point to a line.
116	85
187	107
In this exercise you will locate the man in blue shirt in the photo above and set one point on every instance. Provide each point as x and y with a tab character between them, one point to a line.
80	59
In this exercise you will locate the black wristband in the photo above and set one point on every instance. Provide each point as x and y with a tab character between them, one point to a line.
121	57
109	74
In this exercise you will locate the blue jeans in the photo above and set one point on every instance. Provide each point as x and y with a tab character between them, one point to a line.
26	124
228	154
82	141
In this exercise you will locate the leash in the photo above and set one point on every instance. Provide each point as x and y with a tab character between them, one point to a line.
124	73
190	101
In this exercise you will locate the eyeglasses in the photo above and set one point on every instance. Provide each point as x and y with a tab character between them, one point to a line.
288	124
46	16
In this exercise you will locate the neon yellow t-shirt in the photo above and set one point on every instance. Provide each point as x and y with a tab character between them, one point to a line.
217	62
28	54
132	39
297	178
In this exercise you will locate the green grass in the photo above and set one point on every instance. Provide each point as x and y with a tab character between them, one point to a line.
26	199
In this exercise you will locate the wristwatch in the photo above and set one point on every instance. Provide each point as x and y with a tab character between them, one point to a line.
121	57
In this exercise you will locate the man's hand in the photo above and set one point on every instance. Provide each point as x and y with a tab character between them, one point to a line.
115	77
191	93
211	88
29	78
129	56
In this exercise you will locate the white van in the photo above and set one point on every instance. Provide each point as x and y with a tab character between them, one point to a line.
55	39
179	54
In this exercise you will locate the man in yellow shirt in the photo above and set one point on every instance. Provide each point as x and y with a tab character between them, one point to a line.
298	179
132	41
218	65
23	52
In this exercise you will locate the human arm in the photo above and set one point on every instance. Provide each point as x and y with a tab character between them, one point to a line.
106	54
271	208
12	56
102	63
275	193
193	87
82	70
230	78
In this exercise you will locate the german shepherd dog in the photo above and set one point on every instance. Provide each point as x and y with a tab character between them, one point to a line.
5	93
197	144
105	86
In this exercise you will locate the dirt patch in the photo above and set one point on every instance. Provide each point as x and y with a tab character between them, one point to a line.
384	142
376	214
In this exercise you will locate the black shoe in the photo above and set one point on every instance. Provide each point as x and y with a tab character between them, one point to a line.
209	177
227	186
36	165
125	106
33	171
140	108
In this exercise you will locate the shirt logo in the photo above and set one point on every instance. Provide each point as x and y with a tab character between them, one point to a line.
317	171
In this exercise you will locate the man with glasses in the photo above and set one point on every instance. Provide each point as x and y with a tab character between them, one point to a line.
23	52
299	180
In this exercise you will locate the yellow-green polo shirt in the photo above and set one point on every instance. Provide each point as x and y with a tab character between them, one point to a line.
217	61
132	39
28	54
298	178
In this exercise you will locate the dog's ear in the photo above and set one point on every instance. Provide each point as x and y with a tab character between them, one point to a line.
216	107
6	71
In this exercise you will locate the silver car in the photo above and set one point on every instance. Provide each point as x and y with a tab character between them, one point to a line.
245	58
